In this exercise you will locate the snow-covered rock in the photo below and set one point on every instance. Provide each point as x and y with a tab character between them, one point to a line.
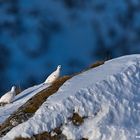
107	97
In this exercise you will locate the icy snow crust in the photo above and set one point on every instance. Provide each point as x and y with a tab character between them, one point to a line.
108	96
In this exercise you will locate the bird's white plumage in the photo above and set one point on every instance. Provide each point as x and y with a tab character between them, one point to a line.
53	76
9	96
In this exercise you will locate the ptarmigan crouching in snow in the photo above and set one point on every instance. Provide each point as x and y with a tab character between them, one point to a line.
54	76
8	97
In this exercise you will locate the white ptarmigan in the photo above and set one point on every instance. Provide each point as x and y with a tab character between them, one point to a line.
53	76
9	96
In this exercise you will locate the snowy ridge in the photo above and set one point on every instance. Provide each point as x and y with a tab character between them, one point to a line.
19	100
108	96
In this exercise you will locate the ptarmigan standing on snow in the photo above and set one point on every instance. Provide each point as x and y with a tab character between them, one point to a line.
54	76
9	96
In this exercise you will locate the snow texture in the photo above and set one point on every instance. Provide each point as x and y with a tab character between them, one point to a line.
107	96
19	100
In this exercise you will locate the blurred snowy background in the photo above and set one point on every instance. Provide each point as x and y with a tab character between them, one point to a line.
37	35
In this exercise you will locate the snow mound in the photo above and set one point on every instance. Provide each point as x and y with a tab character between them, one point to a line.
107	96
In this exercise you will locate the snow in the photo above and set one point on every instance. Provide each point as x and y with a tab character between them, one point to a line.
107	96
19	100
